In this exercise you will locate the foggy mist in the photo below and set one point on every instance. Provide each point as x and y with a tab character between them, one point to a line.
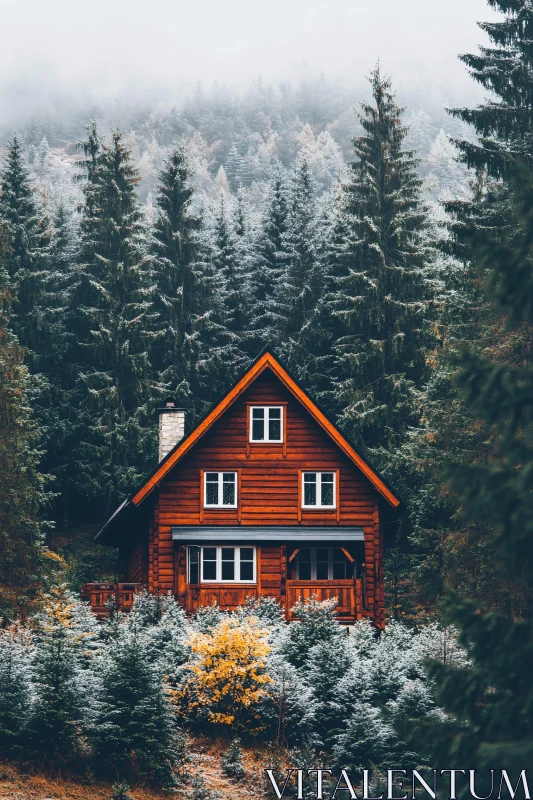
160	49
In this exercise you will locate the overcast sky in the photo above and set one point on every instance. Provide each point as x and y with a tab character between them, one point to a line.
107	45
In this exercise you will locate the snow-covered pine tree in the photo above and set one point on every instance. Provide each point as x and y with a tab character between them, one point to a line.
135	734
229	271
232	763
233	167
492	702
16	654
222	321
59	714
111	322
23	492
38	301
504	126
268	263
175	300
300	285
377	296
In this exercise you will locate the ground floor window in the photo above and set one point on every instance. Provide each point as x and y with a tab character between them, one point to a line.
222	565
323	564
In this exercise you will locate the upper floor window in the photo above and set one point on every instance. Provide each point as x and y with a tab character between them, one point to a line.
266	424
220	490
318	490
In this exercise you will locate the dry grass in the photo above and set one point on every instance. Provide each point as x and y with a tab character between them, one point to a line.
17	785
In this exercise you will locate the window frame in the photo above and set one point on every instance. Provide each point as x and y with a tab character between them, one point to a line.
331	562
318	484
221	473
268	440
237	562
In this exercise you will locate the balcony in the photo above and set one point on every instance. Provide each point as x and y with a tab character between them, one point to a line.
104	597
348	593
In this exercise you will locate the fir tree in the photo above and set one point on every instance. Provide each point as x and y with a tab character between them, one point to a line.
60	709
16	655
135	734
176	301
232	761
221	324
229	272
233	167
300	285
493	702
377	294
37	295
268	263
23	488
505	70
111	322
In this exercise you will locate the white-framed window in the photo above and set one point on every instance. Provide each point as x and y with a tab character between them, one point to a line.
318	489
220	490
266	424
323	564
219	564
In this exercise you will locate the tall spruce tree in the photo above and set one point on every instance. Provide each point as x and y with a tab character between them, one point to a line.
376	298
504	126
492	703
111	322
219	356
268	262
300	284
176	292
38	300
23	488
229	270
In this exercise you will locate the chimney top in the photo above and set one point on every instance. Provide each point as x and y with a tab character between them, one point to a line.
169	406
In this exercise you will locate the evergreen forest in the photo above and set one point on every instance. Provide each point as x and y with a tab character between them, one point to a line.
386	256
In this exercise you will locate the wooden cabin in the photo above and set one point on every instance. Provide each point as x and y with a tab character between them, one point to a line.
265	497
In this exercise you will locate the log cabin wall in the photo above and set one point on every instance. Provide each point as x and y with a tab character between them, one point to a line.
135	563
268	493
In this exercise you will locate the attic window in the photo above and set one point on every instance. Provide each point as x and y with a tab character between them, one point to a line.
266	424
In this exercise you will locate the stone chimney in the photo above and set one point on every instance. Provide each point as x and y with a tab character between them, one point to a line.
171	427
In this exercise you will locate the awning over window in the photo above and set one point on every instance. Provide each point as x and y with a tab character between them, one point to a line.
285	533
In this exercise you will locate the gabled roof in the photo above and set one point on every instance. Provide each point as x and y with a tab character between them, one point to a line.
265	360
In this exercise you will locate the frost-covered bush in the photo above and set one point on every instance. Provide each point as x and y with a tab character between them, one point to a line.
386	689
207	618
64	692
136	735
288	707
315	624
16	656
232	763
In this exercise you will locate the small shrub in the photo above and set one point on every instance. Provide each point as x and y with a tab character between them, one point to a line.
200	790
121	791
232	761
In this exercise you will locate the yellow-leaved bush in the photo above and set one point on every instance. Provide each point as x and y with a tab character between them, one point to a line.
224	681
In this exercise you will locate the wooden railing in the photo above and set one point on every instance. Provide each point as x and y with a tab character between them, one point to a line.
102	597
347	592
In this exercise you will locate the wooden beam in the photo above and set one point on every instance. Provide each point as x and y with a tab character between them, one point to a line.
348	555
294	554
